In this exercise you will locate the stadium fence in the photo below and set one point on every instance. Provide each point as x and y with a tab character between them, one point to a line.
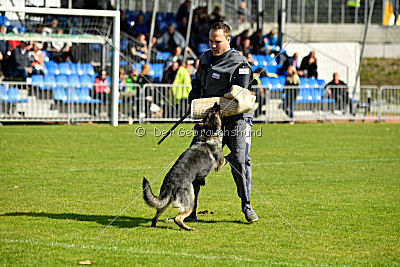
73	103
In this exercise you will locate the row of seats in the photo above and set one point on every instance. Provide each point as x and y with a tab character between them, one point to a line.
68	68
277	83
49	82
12	95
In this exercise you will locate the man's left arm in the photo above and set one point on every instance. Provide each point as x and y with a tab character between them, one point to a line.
242	76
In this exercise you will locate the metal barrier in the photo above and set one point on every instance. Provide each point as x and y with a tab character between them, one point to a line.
70	103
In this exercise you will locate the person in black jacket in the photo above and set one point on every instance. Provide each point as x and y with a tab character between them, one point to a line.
309	66
20	62
221	67
340	92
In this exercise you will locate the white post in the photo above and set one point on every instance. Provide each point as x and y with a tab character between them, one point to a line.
115	71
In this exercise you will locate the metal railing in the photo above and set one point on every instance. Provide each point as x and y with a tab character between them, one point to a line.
64	102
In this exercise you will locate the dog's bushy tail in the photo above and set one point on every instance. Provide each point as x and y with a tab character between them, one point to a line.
153	201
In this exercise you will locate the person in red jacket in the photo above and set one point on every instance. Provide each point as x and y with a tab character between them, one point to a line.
101	87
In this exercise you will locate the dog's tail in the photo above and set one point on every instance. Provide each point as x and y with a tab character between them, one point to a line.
153	201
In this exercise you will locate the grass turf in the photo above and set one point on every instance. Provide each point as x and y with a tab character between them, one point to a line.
339	184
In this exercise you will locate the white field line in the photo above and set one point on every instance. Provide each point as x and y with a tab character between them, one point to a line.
16	171
136	251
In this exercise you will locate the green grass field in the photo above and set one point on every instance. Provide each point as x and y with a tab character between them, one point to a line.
339	184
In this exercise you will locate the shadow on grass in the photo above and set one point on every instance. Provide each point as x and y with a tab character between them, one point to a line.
121	222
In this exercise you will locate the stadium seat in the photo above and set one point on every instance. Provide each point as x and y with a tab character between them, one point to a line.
262	61
313	83
202	47
265	82
86	81
37	81
74	81
255	59
282	79
51	68
88	69
275	84
64	68
3	92
321	83
60	94
78	68
49	82
13	95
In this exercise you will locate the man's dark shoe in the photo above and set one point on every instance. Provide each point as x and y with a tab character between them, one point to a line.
249	213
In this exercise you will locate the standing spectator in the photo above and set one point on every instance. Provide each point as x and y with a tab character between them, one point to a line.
132	79
292	80
183	10
183	26
177	55
140	26
101	87
157	31
271	43
340	92
171	39
37	56
215	16
5	52
181	89
309	66
20	62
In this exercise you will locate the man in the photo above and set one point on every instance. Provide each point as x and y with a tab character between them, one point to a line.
20	62
171	39
340	92
220	68
309	66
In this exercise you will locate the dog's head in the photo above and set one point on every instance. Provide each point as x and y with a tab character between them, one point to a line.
211	124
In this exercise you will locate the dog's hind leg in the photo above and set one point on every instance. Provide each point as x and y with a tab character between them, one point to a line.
158	214
185	208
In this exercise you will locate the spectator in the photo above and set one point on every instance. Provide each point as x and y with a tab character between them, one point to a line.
171	39
52	29
215	16
245	48
180	90
122	80
258	91
124	25
237	41
271	43
20	62
183	26
37	56
292	80
309	66
14	43
101	87
170	73
157	31
177	55
60	51
132	79
199	33
5	53
290	61
139	50
140	26
183	10
257	42
242	12
340	92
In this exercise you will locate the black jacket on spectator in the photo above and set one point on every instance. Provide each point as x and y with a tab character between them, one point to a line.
20	58
310	70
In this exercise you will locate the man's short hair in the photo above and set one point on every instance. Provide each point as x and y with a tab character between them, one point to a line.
221	26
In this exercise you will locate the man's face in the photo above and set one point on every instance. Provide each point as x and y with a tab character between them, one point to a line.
218	42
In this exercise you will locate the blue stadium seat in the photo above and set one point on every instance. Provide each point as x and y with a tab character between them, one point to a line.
265	82
255	59
64	68
51	68
60	94
313	83
49	82
262	61
305	95
62	79
282	79
37	81
275	84
13	95
3	92
202	47
88	69
86	81
79	69
321	83
74	81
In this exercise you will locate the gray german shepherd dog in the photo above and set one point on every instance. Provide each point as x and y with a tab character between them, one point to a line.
203	156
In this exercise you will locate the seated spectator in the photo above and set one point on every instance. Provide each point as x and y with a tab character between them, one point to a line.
292	80
237	41
171	39
340	92
291	61
271	43
139	50
52	29
170	73
257	42
60	51
37	56
140	26
180	91
20	63
5	53
245	48
177	55
309	66
101	87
